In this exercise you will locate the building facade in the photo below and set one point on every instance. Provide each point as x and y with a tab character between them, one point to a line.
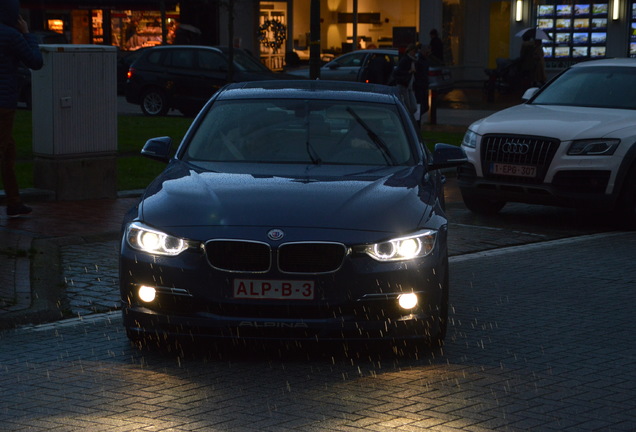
474	32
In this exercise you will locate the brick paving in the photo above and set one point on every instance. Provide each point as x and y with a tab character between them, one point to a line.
541	338
545	345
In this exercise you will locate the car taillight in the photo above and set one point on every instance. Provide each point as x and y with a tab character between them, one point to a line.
130	73
434	73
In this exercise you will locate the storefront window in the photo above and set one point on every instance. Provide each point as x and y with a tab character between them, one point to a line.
272	33
578	30
632	32
56	25
132	30
98	30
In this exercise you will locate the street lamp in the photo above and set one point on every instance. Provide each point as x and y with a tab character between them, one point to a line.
519	11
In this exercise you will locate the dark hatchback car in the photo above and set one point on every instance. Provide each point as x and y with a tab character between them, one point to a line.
184	77
292	210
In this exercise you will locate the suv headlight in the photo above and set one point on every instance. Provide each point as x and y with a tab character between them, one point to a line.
143	238
593	147
403	248
470	139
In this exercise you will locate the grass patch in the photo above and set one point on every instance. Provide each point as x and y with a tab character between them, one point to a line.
136	172
133	170
432	138
134	131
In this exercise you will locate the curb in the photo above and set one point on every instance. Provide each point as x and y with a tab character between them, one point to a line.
38	294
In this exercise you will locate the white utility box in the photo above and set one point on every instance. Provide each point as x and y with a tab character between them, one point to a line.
75	121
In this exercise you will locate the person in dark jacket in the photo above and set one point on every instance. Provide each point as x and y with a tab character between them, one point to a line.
420	84
404	75
16	45
378	69
437	48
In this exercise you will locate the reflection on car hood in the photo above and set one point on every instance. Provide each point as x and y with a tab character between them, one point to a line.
561	122
392	201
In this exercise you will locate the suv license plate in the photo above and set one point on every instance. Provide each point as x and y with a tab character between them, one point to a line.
514	170
273	289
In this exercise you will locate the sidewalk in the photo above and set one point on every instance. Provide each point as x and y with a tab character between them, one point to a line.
62	260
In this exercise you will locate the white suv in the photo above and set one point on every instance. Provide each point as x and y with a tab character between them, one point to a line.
572	143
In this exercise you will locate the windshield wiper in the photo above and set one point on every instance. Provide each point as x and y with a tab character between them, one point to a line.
380	144
313	154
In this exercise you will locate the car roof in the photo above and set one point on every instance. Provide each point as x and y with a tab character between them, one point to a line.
173	47
309	89
623	62
374	51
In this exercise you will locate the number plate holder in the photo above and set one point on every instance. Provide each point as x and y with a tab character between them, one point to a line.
513	170
273	289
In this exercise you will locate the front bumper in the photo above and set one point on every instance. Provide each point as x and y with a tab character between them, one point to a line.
357	302
568	188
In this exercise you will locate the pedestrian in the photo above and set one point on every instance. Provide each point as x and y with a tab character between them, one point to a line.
420	83
540	77
531	62
16	45
404	77
378	69
437	48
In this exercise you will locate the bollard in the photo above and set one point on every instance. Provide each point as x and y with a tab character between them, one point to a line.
432	106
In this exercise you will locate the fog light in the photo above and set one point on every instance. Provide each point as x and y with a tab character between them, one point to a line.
147	294
407	301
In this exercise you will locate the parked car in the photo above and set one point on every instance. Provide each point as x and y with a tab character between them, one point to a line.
293	210
351	67
124	60
573	143
184	77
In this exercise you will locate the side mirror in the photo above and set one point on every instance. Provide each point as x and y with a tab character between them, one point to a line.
529	93
447	156
157	149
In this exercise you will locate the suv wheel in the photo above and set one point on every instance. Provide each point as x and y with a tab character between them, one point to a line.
481	205
154	102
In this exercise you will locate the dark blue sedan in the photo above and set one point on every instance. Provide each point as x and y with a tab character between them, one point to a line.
292	210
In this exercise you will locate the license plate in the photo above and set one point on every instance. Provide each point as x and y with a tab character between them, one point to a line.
514	170
274	289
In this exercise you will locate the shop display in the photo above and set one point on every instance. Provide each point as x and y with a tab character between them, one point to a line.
632	32
577	30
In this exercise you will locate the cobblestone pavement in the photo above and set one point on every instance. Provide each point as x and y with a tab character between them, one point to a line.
546	345
90	274
91	279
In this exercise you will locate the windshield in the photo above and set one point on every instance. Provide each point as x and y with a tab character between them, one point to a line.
602	87
301	131
247	63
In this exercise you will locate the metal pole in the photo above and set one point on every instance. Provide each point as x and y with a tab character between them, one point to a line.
164	29
230	48
354	45
314	40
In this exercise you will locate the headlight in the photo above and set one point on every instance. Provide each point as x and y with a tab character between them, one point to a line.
403	248
152	241
593	147
470	139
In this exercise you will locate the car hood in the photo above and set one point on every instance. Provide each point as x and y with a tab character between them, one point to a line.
561	122
304	197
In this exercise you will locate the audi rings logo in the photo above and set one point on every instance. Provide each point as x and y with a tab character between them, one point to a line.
515	148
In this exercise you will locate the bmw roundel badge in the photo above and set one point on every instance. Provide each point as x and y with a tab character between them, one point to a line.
275	234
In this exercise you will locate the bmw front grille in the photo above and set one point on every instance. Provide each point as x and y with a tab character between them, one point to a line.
257	257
